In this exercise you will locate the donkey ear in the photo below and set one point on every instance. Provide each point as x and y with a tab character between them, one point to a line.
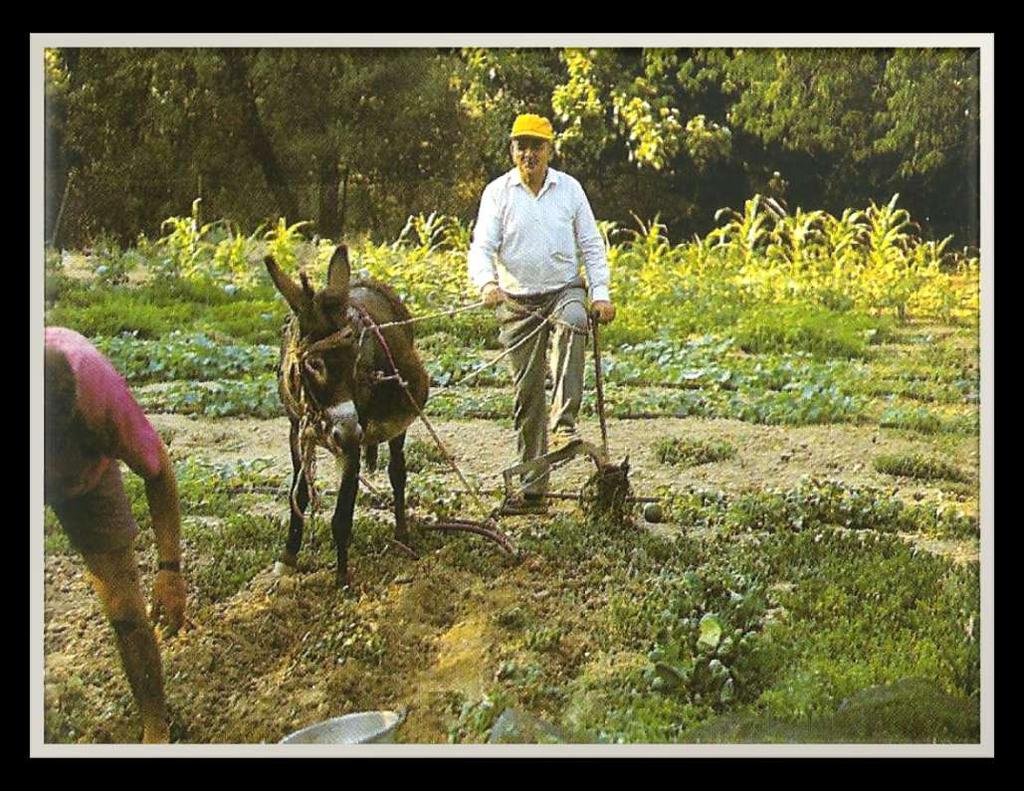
338	271
307	287
289	288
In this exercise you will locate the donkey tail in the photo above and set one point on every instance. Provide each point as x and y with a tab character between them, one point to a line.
370	458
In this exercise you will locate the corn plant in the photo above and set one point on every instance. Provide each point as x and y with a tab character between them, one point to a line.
645	265
429	234
893	276
701	255
282	242
796	244
939	293
650	242
745	232
186	244
457	236
845	237
232	256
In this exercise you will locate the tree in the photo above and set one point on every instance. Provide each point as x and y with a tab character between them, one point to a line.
356	140
262	133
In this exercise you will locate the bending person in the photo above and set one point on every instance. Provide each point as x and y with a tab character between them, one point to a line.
91	421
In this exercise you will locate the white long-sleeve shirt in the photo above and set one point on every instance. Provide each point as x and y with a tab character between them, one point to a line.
528	244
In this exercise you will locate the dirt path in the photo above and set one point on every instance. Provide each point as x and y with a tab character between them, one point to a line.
767	456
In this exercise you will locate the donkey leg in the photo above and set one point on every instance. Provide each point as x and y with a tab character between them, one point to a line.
397	475
341	522
289	558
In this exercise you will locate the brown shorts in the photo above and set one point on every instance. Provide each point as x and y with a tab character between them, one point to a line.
100	520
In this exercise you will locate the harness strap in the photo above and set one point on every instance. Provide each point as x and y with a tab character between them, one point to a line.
380	339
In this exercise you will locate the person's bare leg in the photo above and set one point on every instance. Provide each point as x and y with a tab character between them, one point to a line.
115	577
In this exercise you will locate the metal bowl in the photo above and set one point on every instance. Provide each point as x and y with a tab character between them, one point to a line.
364	727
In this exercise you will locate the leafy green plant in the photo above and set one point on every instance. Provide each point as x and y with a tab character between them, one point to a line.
878	612
476	717
422	455
111	264
55	279
912	418
256	397
918	466
690	453
112	313
179	356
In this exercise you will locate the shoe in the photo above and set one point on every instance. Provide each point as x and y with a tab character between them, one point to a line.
525	504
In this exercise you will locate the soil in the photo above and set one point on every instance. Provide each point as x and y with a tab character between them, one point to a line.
767	456
241	672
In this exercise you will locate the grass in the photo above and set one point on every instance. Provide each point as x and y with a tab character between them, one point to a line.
645	639
823	333
692	452
156	309
920	467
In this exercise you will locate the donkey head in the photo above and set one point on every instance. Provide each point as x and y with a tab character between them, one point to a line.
328	343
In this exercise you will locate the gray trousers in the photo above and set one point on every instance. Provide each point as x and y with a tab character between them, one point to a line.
533	417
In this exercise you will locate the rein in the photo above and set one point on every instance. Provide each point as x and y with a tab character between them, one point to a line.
314	425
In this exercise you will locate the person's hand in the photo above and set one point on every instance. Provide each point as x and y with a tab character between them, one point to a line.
492	295
168	607
604	311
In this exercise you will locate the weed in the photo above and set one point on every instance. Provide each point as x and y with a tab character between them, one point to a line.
690	453
917	466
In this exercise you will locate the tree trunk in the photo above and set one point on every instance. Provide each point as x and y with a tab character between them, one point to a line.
237	74
55	173
344	204
327	223
56	161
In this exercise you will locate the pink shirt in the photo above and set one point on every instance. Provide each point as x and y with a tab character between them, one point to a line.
109	409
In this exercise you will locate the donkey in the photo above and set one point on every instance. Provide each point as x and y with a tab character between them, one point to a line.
343	389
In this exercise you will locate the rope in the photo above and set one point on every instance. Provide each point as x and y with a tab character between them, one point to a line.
508	351
473	306
313	425
499	358
549	319
448	457
544	319
415	319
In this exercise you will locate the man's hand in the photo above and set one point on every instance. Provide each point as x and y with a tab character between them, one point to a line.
604	311
168	606
492	295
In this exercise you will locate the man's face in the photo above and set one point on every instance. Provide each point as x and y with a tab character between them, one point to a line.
531	155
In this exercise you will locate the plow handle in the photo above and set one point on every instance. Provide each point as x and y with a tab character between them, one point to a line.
599	382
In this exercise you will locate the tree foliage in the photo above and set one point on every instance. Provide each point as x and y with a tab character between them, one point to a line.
356	140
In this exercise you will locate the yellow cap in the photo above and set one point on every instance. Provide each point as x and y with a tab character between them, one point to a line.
532	126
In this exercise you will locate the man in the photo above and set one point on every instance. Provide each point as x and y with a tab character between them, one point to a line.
523	258
91	421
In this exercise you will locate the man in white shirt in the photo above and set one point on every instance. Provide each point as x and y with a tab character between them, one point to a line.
532	221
